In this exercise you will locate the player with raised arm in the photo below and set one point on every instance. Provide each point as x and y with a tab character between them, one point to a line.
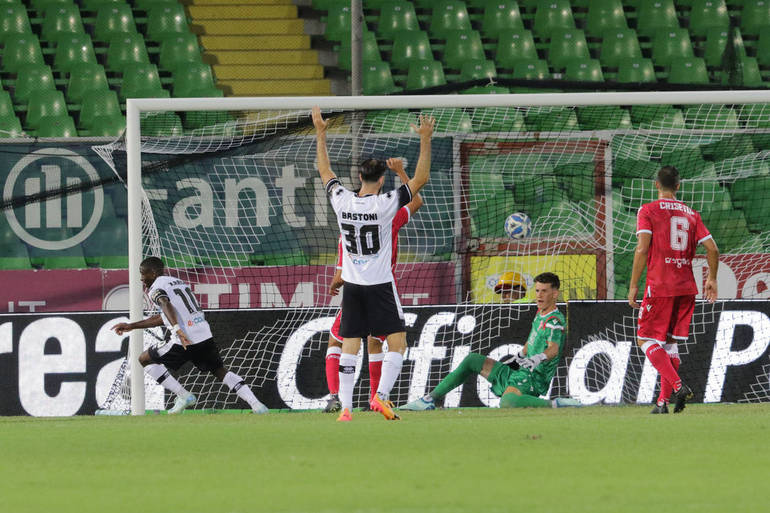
374	343
668	233
191	339
370	302
519	379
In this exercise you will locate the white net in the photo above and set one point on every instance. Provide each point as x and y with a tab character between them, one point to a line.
237	209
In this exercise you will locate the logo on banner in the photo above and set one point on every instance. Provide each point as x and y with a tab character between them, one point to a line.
39	220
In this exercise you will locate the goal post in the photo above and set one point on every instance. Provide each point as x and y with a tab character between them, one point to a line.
514	149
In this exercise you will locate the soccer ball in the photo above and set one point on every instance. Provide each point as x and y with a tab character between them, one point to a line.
518	225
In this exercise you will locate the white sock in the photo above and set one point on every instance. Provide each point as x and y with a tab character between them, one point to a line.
347	379
391	368
237	385
161	374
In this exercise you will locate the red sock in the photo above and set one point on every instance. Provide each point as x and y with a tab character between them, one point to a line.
333	370
665	386
660	360
375	370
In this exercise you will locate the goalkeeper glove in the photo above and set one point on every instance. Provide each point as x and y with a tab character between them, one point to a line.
533	361
513	360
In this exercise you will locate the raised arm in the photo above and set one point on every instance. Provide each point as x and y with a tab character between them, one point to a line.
397	166
712	257
640	260
322	155
150	322
422	172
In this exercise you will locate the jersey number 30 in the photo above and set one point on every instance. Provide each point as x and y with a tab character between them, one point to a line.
368	235
680	227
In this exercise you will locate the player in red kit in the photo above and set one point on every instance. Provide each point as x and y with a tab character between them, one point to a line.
668	233
374	343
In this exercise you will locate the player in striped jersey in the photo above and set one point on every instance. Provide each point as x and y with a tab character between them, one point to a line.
374	343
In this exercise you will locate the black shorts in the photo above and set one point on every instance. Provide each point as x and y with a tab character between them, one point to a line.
370	309
204	355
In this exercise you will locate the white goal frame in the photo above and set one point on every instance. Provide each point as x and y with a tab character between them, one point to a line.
135	107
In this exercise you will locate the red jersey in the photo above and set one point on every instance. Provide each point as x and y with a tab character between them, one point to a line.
402	217
676	232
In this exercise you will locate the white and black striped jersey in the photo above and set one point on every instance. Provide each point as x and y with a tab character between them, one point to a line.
188	312
365	224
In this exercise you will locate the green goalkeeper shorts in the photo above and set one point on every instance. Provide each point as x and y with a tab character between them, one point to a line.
503	377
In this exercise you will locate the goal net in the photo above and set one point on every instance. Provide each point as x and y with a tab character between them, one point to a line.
231	200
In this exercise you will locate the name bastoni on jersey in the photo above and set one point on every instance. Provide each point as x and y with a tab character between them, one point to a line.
353	216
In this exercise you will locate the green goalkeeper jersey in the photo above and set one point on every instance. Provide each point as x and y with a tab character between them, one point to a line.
546	328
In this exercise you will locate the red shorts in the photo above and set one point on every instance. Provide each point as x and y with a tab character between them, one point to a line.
665	316
335	329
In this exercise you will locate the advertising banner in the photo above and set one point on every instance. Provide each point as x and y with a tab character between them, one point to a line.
65	364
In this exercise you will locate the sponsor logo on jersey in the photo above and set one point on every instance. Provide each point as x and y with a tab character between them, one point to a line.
679	262
198	319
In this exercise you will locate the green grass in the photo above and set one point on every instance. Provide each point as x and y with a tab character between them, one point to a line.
602	459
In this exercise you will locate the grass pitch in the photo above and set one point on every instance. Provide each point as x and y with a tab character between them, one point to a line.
598	459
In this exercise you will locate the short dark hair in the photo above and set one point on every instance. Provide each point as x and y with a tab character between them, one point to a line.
549	278
153	264
372	170
668	178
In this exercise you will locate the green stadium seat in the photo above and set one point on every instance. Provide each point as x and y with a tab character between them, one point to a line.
56	126
476	69
604	118
462	46
577	179
113	20
605	16
424	74
584	70
688	70
396	17
109	126
20	50
194	81
763	47
729	229
10	126
556	120
671	44
41	5
450	120
716	43
566	46
102	104
141	81
636	71
448	16
655	16
377	78
747	73
60	21
531	189
182	49
85	79
31	79
707	14
552	16
729	147
43	104
754	16
165	20
390	121
196	120
6	105
124	50
638	191
338	23
618	45
13	21
164	124
500	16
72	51
488	220
498	119
752	196
513	46
653	114
688	161
408	46
531	69
369	49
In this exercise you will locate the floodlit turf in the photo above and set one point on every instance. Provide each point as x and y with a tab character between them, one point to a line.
599	459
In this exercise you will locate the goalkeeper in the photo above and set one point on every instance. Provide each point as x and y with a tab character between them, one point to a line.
519	379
